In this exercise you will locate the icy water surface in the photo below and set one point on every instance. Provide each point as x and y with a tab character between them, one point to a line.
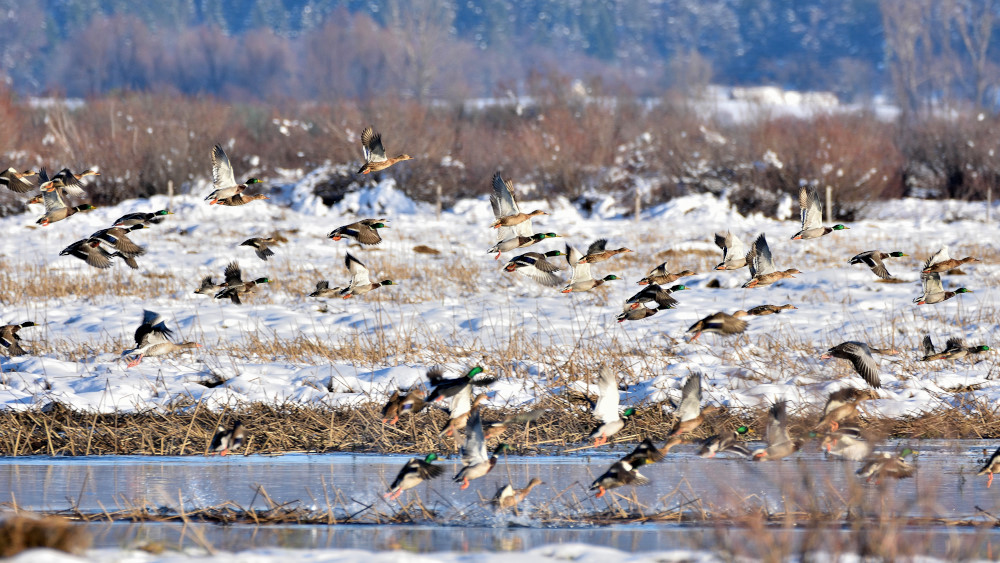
945	487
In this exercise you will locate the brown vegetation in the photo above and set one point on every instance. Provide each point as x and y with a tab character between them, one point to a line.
562	143
187	428
19	533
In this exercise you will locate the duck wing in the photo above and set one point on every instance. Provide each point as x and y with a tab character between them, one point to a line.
606	407
777	425
222	170
940	256
359	273
759	258
234	276
810	208
690	406
371	145
474	450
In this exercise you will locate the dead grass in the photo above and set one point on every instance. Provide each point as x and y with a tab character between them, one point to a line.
186	428
20	533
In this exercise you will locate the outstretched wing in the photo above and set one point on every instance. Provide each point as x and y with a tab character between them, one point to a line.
606	407
371	145
690	406
810	208
222	170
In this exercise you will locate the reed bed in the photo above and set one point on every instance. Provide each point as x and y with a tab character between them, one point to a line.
187	429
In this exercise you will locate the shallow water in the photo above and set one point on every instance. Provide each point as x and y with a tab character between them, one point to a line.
945	486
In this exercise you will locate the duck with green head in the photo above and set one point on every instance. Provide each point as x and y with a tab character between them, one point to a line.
655	293
812	215
364	231
140	218
234	288
934	289
874	260
442	388
223	179
519	241
535	266
582	278
726	443
413	473
360	282
954	349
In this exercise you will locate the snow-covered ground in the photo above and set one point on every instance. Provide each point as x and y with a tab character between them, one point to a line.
459	308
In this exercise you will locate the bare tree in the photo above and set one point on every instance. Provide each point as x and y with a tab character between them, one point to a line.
974	21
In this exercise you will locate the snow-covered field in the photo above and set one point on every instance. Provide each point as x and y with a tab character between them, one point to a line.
459	308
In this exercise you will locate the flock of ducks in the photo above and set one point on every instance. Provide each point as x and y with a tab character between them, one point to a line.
838	429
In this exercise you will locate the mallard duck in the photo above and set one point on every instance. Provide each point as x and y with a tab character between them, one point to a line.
9	339
413	473
506	209
761	310
323	289
660	276
496	429
509	497
885	464
56	208
842	405
779	443
442	388
646	452
241	199
582	279
225	441
66	180
847	442
152	338
364	231
95	254
941	262
762	270
992	466
719	323
208	287
117	238
954	349
873	259
360	282
15	181
260	246
235	287
223	179
860	356
734	252
598	252
619	474
606	408
934	290
811	211
535	266
635	314
506	245
656	293
147	219
374	152
412	402
689	414
726	443
475	463
458	414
